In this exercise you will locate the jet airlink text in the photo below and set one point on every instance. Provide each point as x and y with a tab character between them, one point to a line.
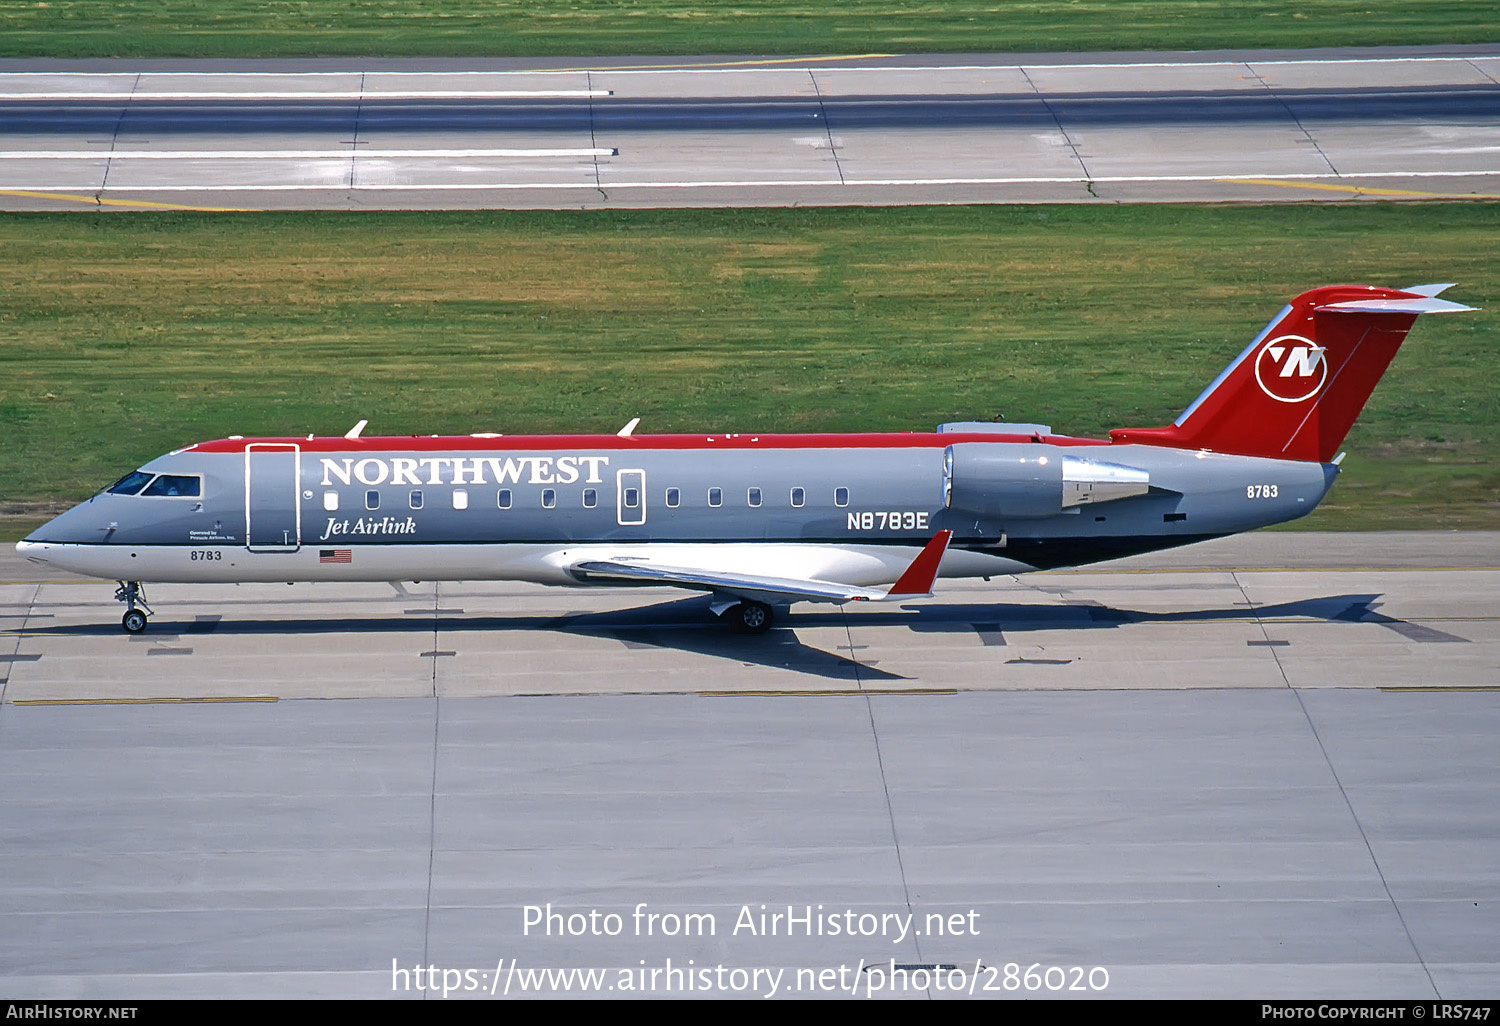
369	525
465	470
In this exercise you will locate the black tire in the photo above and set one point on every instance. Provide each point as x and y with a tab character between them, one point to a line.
134	621
752	617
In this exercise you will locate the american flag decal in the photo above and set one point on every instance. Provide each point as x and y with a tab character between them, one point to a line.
335	555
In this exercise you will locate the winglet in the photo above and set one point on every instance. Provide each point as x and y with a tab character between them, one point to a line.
918	578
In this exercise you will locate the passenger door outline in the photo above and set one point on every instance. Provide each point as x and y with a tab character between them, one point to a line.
273	476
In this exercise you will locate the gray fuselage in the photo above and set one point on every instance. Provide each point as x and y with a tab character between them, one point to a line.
525	508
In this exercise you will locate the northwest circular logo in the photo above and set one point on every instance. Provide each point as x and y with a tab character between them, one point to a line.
1290	368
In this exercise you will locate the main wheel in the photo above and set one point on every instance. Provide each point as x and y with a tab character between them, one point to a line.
752	617
133	621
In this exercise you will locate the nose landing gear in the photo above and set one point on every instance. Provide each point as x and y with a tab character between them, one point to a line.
133	594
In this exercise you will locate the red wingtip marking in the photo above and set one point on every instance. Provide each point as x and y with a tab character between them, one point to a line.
918	578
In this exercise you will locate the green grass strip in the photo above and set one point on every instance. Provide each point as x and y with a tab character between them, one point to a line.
123	336
463	28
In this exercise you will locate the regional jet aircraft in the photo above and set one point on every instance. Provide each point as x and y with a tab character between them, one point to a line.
754	520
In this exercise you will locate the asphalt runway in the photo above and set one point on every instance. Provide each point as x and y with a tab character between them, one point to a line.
1261	767
1387	123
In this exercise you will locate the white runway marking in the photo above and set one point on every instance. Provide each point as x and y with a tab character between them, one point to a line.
356	94
293	154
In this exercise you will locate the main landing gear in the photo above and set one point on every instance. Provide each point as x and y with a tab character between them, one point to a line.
748	617
133	594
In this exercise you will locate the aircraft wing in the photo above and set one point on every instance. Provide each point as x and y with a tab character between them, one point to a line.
914	582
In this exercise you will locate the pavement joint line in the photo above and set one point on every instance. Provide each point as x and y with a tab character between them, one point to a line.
1265	641
1296	120
1364	837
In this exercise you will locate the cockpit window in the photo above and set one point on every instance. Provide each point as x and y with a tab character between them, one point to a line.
130	483
174	485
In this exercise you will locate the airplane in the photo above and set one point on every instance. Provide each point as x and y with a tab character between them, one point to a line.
754	520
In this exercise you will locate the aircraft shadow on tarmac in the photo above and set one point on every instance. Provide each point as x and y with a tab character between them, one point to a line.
685	625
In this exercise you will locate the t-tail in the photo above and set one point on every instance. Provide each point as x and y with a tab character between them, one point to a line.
1296	390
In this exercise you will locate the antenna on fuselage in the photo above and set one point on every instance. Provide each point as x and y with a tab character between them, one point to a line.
353	432
625	431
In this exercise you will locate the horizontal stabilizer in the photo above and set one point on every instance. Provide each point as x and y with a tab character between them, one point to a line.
1397	306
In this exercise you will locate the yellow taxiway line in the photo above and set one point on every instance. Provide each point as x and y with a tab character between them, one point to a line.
763	62
1357	190
102	202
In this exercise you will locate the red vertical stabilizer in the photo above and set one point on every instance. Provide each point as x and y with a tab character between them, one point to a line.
1296	390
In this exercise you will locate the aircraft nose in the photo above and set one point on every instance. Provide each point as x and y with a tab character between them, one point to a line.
36	552
81	524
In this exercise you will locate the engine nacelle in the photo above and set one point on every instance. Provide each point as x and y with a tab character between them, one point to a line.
1023	481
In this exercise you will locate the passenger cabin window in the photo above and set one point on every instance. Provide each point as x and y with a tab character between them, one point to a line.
416	498
632	498
716	496
129	484
799	496
674	497
590	498
502	498
174	486
549	498
841	496
460	498
330	501
372	499
753	496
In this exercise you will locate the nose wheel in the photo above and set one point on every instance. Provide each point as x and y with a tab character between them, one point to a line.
133	594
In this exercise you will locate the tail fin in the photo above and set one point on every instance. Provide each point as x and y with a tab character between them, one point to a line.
1296	390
